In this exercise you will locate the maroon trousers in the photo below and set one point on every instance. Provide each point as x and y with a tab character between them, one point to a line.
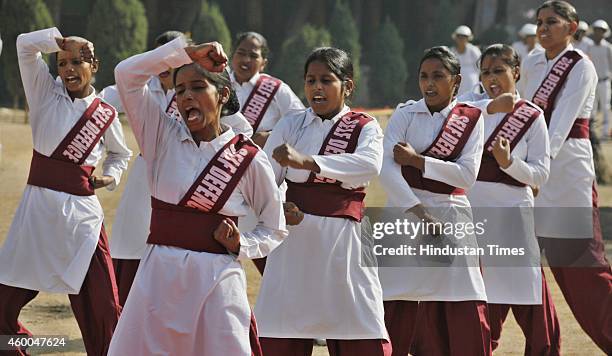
587	288
125	271
96	307
303	347
438	328
538	322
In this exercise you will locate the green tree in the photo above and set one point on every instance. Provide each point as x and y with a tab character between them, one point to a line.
118	30
387	66
19	17
295	50
211	26
345	35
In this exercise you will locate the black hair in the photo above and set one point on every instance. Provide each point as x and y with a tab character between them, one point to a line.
337	60
251	34
506	53
166	37
446	56
232	106
561	8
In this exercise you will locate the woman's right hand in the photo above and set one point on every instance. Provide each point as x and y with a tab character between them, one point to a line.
77	44
209	55
421	212
293	214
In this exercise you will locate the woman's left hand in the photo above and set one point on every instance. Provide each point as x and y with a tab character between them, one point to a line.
288	156
501	152
100	182
228	235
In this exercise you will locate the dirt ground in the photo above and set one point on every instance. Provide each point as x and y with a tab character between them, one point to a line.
50	314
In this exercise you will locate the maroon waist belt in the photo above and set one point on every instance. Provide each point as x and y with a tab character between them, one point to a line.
415	179
490	172
329	200
187	228
61	176
580	129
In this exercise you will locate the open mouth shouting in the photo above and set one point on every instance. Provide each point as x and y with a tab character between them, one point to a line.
193	114
495	90
72	80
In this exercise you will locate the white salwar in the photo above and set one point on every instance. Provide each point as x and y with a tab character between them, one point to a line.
314	285
54	234
414	124
510	210
563	206
184	302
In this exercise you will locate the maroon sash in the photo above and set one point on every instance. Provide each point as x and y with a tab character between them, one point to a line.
86	133
513	127
172	109
546	94
63	171
258	102
447	146
324	196
190	223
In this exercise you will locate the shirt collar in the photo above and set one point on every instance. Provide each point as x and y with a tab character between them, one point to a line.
251	81
311	115
542	55
421	107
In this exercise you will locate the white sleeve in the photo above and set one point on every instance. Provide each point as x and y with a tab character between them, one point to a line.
463	172
117	153
287	100
359	167
146	118
261	193
279	135
391	174
37	81
110	94
535	168
238	123
579	87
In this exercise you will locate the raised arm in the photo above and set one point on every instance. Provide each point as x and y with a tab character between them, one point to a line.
37	81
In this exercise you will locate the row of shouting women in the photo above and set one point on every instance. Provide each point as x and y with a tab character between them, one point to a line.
218	146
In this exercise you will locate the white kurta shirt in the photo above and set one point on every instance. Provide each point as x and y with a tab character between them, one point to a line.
469	68
284	101
520	283
131	226
314	285
572	173
414	124
178	289
54	234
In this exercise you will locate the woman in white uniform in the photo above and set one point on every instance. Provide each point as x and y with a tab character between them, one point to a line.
314	285
562	82
435	310
56	242
131	226
516	157
189	294
468	56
